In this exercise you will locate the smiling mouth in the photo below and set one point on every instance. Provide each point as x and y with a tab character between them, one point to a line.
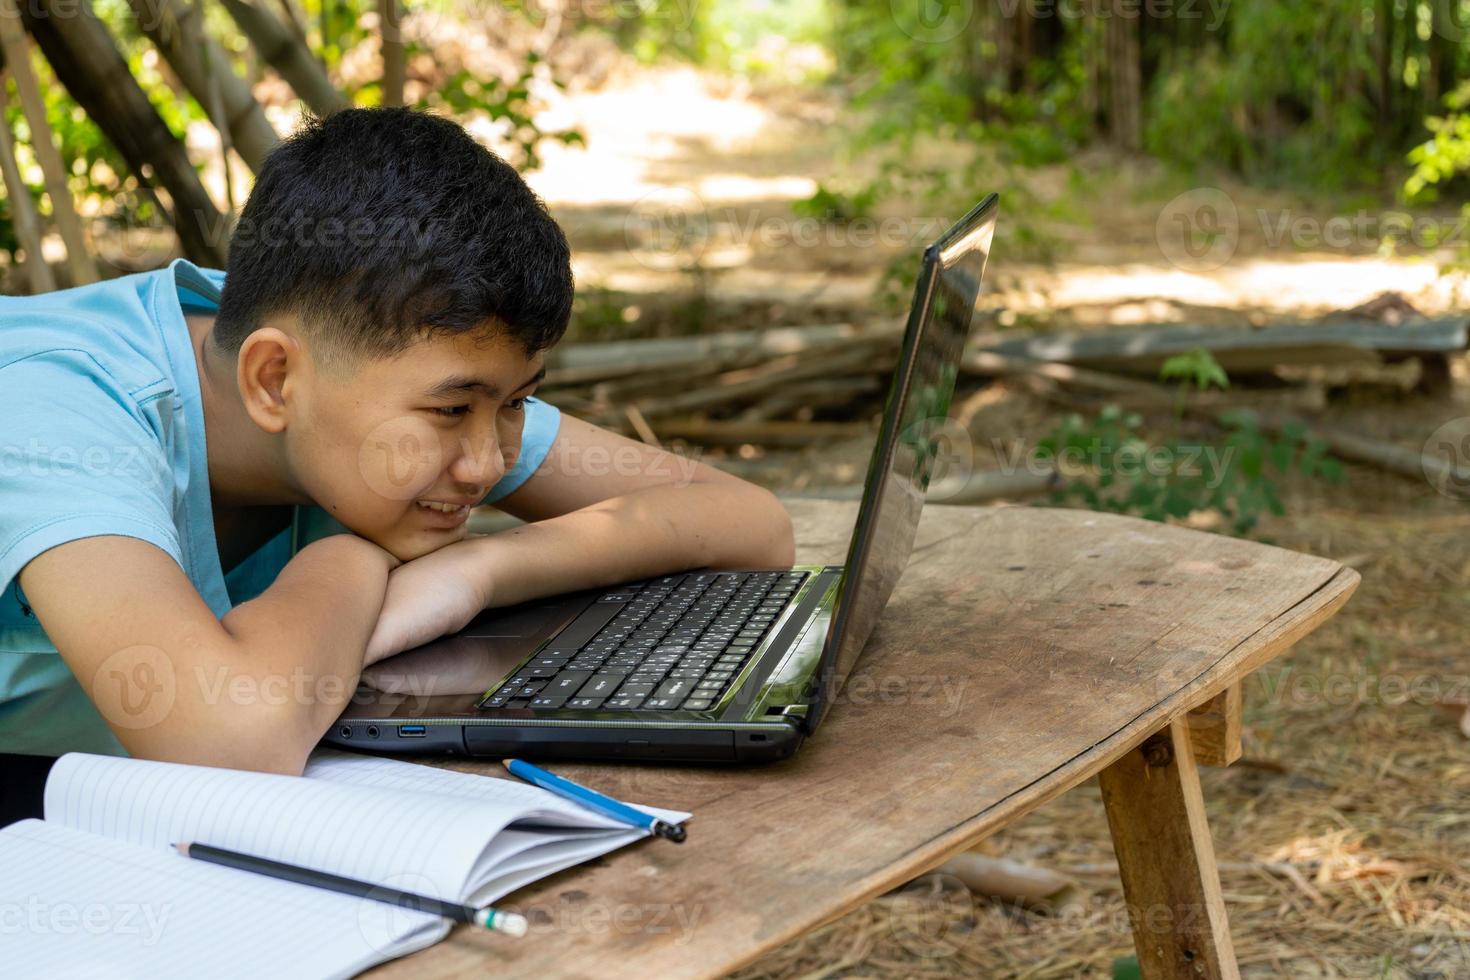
440	508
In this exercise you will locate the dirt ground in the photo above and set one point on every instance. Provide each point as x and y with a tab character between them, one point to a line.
1343	834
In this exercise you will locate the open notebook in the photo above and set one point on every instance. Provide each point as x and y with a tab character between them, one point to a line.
102	892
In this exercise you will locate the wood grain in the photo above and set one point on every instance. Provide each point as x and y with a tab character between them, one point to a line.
1024	650
1214	728
1167	861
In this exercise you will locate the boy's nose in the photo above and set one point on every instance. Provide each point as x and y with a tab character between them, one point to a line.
482	465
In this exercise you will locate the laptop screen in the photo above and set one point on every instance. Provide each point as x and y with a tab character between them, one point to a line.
908	443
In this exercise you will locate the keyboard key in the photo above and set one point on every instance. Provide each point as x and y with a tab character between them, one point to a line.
659	704
709	685
600	686
496	700
621	702
639	690
698	704
566	684
587	704
547	702
676	688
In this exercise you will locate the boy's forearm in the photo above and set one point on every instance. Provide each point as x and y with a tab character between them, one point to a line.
303	638
651	532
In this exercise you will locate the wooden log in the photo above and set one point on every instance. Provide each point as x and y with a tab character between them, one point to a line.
23	216
43	144
82	54
1214	728
1143	349
755	381
204	67
815	393
712	433
580	363
1167	861
1359	448
1009	881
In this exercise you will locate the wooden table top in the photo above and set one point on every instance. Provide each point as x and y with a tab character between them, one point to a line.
1024	650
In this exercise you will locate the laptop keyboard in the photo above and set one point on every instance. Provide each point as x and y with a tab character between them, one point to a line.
677	643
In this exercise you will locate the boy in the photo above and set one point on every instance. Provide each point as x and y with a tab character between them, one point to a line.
391	292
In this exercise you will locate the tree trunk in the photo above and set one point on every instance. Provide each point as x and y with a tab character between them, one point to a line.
84	58
287	55
43	144
175	29
1124	84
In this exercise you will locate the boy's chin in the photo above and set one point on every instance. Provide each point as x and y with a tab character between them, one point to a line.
408	545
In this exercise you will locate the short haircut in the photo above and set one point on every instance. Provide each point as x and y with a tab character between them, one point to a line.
377	226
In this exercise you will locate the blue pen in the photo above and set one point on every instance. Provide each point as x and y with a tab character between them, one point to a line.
594	800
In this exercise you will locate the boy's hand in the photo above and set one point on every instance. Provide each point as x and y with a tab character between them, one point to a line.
428	597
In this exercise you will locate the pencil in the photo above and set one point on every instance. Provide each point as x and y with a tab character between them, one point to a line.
507	922
594	800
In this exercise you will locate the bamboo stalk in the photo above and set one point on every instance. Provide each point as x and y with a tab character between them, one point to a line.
176	30
284	52
85	59
23	216
390	33
43	145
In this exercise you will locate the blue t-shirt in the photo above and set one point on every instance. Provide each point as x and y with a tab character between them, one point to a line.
102	433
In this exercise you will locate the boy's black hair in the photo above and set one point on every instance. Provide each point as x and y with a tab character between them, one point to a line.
375	225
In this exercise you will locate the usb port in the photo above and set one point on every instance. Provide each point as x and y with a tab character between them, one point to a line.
411	731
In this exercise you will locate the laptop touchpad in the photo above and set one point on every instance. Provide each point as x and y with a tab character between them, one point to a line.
478	657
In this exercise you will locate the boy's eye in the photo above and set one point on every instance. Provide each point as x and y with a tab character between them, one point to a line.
516	404
453	411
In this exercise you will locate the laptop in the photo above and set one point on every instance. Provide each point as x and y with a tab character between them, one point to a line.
706	665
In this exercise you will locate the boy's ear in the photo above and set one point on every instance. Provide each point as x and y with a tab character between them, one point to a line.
266	370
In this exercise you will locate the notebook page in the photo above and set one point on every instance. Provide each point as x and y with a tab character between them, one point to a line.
364	832
87	905
381	771
506	864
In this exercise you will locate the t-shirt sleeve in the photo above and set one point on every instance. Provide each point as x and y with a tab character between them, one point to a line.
77	460
538	432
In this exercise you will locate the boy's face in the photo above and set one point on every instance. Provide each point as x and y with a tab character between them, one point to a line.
386	448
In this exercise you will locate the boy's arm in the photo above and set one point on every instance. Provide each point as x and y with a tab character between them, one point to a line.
255	690
603	509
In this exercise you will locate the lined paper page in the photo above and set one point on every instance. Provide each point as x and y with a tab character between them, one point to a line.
90	906
363	832
380	771
517	857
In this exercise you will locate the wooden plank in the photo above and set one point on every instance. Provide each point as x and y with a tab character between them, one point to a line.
1214	728
1024	650
1167	861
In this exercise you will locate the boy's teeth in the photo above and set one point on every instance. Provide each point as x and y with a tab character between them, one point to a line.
435	505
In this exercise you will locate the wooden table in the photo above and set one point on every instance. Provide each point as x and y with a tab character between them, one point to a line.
1025	650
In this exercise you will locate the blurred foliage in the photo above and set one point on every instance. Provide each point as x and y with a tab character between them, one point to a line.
1233	478
1442	162
511	105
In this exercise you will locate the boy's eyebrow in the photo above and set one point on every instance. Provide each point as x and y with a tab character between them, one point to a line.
465	383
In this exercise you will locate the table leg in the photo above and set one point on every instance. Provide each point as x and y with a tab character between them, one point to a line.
1214	728
1167	861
